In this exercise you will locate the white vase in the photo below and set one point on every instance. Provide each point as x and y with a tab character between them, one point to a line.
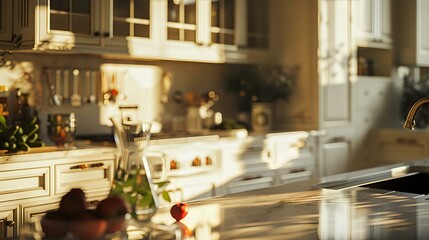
262	116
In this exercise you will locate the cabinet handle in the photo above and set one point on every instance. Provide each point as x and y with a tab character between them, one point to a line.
299	144
97	34
10	223
86	166
406	141
338	139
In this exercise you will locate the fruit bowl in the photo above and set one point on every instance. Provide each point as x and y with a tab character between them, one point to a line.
132	231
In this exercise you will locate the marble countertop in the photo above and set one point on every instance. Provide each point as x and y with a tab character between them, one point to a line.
303	211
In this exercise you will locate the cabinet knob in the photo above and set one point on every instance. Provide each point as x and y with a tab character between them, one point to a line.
97	33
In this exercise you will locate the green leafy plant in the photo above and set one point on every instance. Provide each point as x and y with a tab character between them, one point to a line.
134	187
21	137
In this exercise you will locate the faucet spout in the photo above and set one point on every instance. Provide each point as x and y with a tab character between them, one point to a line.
410	120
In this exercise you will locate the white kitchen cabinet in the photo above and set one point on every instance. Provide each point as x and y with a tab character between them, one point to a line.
5	22
31	184
372	20
371	110
9	228
335	87
196	30
411	32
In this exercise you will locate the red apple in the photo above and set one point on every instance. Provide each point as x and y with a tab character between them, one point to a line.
87	226
179	210
54	224
73	203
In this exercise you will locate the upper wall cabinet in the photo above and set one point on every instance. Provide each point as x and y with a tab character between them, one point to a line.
372	22
411	32
192	30
215	30
5	20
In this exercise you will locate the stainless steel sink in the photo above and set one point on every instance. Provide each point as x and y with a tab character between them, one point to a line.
406	179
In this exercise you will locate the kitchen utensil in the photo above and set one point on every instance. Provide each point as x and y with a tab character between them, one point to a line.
62	128
76	99
66	91
166	83
46	75
57	98
93	87
85	87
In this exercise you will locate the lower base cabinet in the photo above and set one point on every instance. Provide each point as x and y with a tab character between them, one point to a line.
32	184
399	145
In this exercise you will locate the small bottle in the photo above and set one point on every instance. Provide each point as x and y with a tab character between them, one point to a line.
4	95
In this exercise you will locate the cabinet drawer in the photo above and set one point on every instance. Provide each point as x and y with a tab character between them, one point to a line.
249	184
35	213
402	149
24	183
372	94
291	177
91	176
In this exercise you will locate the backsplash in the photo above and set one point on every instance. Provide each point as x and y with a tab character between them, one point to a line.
199	78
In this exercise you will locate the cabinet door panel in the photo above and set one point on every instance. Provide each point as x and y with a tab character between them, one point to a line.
422	31
62	24
5	20
9	222
386	25
34	213
365	18
257	24
335	52
336	151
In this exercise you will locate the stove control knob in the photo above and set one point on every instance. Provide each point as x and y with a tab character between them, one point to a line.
196	162
209	160
174	165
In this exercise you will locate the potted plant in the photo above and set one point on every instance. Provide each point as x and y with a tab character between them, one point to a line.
258	87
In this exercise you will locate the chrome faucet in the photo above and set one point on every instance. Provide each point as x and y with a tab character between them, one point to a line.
410	120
